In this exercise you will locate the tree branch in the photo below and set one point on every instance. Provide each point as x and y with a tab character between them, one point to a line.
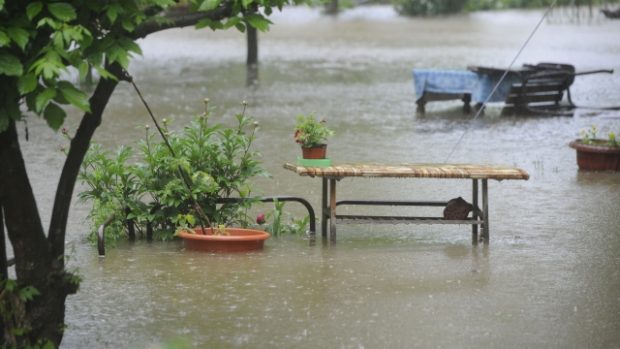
183	18
79	147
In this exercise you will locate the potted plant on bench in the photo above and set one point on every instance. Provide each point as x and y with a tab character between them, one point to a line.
312	135
597	154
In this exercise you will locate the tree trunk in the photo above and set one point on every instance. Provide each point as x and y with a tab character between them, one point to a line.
71	168
44	315
252	35
252	59
131	227
4	264
332	7
4	272
39	261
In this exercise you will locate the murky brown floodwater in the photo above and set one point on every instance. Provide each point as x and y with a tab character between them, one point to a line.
550	277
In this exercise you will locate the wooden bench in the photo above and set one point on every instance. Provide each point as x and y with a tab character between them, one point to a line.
476	173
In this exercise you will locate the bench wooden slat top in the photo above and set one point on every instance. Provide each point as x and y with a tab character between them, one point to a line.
412	171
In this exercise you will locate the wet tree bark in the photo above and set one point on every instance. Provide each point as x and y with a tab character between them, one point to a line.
252	35
4	269
252	56
332	7
149	232
4	265
131	228
34	265
39	260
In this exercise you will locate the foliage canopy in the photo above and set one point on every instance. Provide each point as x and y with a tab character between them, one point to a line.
45	44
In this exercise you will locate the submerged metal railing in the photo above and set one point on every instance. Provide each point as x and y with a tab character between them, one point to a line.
304	202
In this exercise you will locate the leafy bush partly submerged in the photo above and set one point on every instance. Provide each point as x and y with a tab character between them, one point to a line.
151	195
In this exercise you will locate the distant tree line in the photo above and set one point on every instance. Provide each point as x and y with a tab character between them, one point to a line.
443	7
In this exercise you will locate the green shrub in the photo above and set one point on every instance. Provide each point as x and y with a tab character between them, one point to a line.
428	7
161	190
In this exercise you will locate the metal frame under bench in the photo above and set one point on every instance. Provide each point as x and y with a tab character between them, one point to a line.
476	173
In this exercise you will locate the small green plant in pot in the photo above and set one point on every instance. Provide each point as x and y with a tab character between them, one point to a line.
312	135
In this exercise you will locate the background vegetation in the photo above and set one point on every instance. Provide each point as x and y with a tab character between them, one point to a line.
443	7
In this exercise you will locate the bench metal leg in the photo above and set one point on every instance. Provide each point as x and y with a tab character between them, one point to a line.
324	210
332	210
485	211
474	197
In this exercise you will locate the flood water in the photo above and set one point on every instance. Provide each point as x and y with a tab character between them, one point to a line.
549	278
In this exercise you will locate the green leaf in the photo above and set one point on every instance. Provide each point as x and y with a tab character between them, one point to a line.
58	41
54	115
73	33
206	22
43	98
1	4
119	55
27	293
10	65
62	11
74	96
233	22
50	65
130	46
246	3
259	22
209	5
27	83
164	3
4	39
47	21
128	25
19	35
34	9
191	220
83	68
104	73
240	27
113	11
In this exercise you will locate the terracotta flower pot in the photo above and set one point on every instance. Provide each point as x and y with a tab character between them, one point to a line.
596	157
318	152
238	240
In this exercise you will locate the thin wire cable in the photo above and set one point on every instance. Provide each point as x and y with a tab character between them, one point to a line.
202	216
501	79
